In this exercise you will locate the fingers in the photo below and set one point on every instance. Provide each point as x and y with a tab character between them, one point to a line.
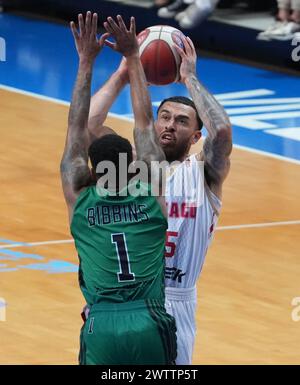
87	43
113	25
74	31
81	25
107	27
88	25
189	46
180	51
103	40
94	24
190	41
110	44
121	24
132	25
192	47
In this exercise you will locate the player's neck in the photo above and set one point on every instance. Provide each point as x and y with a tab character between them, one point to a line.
184	157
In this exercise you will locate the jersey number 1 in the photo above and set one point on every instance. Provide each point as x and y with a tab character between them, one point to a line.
120	242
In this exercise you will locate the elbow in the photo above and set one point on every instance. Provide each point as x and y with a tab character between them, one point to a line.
224	135
63	165
96	120
144	125
62	168
225	128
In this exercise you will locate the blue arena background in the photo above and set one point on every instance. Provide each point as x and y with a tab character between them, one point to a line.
264	106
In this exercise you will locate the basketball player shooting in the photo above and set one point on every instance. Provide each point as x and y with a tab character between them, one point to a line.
119	236
190	230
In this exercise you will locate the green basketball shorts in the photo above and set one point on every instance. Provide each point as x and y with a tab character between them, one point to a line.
131	333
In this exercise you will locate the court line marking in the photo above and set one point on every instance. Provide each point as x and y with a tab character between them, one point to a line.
258	225
113	115
53	100
31	244
220	228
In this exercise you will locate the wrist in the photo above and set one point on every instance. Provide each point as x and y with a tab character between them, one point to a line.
189	78
134	63
86	62
133	56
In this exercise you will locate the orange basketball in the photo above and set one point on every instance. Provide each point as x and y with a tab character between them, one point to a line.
159	58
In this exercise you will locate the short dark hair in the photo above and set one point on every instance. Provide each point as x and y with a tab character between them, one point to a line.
108	148
182	100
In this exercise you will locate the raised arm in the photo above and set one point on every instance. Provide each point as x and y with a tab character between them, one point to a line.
218	144
74	170
146	142
103	99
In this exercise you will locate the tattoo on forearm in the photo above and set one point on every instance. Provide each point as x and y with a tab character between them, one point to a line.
216	155
218	144
210	111
74	164
80	104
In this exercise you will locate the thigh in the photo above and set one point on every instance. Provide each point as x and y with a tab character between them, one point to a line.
126	338
184	314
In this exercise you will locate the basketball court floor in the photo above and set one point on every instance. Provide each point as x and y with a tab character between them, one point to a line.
251	275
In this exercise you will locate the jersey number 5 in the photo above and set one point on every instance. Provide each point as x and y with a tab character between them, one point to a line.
170	245
120	242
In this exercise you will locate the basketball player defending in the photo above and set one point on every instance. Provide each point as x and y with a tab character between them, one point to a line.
120	237
190	229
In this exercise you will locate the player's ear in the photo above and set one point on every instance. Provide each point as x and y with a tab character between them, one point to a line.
196	137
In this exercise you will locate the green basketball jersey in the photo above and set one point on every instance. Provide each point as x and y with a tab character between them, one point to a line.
120	242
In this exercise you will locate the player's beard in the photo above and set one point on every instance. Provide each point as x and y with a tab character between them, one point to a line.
177	152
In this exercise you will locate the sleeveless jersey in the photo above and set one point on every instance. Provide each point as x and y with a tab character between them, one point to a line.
192	218
120	243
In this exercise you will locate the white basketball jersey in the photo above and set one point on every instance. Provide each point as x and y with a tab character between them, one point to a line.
192	217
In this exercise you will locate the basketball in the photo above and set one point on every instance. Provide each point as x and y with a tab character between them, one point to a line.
160	60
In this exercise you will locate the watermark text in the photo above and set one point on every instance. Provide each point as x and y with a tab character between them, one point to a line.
141	178
296	51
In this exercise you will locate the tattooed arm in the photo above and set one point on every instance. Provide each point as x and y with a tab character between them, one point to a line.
218	144
74	170
145	138
147	146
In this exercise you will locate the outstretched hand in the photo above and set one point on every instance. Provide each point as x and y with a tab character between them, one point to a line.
87	44
188	59
126	41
